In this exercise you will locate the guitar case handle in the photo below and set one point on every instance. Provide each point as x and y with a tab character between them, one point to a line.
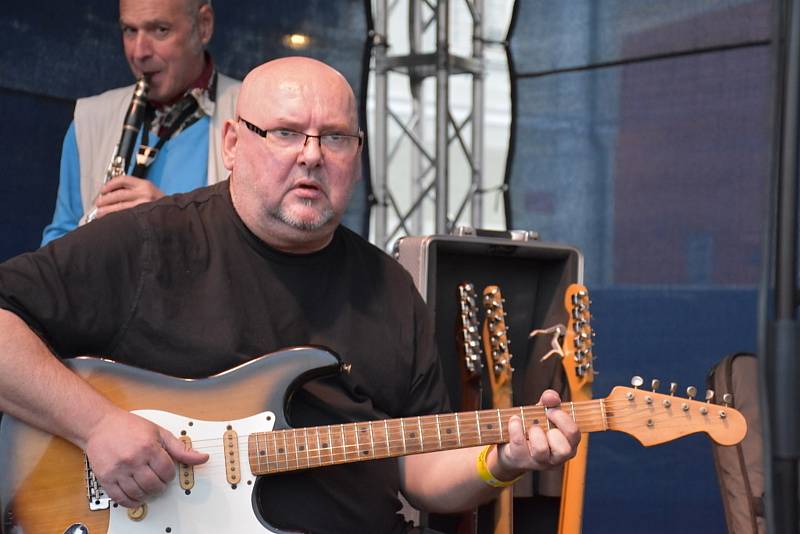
514	235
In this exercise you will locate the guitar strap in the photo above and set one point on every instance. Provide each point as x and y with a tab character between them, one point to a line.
181	116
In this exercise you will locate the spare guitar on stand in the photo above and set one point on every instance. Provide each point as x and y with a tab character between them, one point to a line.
577	362
498	359
469	353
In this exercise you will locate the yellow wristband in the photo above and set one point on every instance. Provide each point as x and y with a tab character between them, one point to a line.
486	475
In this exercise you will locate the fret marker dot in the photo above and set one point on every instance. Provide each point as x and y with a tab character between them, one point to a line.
280	451
489	426
413	435
535	421
302	447
262	453
324	445
449	431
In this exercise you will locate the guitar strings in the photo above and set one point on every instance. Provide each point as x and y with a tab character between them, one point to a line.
300	450
583	415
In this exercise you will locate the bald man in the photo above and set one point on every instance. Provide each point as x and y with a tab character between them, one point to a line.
188	102
195	284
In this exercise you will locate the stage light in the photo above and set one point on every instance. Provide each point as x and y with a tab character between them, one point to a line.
297	40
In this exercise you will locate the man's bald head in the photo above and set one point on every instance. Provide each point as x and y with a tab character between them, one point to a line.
295	77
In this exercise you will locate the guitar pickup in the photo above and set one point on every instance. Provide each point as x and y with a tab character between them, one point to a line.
186	471
233	470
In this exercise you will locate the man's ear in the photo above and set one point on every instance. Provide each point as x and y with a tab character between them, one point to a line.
230	137
205	23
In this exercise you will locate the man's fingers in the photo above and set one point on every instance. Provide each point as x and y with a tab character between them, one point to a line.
560	448
150	482
180	452
133	493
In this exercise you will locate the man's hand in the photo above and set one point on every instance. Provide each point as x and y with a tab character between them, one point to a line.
134	459
123	192
538	450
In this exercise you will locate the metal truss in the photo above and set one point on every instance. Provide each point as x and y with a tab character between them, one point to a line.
413	151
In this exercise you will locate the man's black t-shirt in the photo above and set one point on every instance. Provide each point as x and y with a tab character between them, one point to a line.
182	287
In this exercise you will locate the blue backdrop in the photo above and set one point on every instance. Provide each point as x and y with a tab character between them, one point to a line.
641	134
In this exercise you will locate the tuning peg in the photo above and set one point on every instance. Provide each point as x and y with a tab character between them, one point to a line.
673	387
691	392
655	384
727	398
709	395
636	381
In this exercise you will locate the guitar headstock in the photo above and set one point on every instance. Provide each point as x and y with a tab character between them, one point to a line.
654	418
577	348
469	337
495	340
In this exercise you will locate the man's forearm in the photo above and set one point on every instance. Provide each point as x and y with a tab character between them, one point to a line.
447	481
38	389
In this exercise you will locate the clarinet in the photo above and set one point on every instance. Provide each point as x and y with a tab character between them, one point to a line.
130	130
123	151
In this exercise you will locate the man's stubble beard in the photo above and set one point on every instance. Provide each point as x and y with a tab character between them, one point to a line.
323	218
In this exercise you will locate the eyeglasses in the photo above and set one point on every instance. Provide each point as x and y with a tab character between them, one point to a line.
334	143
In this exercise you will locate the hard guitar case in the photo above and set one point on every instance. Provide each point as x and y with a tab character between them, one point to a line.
740	468
533	276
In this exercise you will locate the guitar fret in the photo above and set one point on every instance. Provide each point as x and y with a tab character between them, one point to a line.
478	425
330	444
371	440
572	406
319	449
439	431
254	437
546	420
403	433
522	416
344	442
386	429
296	451
500	422
285	449
458	430
305	442
419	429
358	446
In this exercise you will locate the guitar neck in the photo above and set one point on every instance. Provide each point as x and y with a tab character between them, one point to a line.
652	418
295	449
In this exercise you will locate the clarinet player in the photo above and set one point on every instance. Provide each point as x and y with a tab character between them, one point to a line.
187	103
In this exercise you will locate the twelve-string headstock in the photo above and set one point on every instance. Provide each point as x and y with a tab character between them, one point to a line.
468	331
577	347
496	345
654	418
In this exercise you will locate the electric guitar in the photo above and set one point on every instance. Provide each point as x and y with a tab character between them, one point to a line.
237	416
470	355
498	359
578	366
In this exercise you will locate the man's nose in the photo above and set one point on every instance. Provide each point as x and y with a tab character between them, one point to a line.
142	46
311	153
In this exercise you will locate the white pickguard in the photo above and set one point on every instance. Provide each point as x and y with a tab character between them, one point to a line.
212	505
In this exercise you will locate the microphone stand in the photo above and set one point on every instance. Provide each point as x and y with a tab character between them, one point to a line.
779	334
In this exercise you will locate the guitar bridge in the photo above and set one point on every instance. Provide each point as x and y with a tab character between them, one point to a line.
98	500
